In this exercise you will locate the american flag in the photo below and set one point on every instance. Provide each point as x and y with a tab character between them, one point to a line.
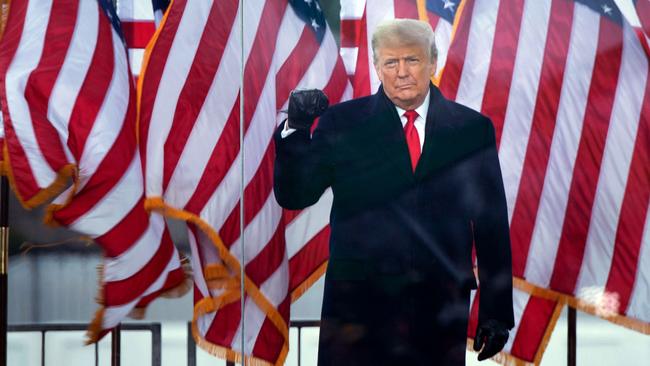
567	89
643	12
195	166
535	316
572	131
68	103
566	86
159	8
138	19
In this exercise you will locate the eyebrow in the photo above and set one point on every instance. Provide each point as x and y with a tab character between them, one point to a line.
409	57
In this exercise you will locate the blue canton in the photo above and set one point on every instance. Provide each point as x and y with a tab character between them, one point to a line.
606	8
310	12
444	8
109	10
160	5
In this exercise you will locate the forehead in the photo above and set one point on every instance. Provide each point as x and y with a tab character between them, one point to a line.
400	51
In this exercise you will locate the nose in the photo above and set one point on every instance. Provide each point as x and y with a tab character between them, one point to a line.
402	70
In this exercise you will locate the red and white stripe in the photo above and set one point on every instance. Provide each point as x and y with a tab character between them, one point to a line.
535	317
138	26
571	124
643	13
641	21
189	122
359	18
571	120
69	112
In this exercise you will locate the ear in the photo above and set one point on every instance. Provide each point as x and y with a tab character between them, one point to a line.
434	67
380	76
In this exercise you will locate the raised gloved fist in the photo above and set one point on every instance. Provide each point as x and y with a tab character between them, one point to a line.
305	106
494	335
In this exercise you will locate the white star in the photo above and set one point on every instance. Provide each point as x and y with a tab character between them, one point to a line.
607	9
318	7
448	4
308	2
314	24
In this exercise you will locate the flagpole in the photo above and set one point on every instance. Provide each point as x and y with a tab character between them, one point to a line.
4	265
571	336
115	346
241	191
115	333
4	230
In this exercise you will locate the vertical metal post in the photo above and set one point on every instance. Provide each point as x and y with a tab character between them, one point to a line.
4	266
43	348
299	341
4	228
571	337
156	345
191	346
242	207
115	346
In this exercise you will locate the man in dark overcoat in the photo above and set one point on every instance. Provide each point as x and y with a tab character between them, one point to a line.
416	185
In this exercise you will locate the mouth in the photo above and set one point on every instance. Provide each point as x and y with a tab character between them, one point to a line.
404	87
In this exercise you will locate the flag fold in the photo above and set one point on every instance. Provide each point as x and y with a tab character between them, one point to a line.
69	111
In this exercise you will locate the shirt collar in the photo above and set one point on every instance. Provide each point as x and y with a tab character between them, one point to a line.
422	110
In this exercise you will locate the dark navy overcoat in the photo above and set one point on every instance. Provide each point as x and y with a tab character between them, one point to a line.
400	270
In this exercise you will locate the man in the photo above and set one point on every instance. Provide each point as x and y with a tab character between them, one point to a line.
416	184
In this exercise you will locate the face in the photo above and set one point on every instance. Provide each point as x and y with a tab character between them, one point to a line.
405	72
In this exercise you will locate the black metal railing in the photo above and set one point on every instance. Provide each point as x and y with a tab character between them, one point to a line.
154	328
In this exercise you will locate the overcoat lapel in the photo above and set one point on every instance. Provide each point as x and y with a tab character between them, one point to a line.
430	150
391	134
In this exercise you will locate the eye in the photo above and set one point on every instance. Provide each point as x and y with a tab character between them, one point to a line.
390	64
413	61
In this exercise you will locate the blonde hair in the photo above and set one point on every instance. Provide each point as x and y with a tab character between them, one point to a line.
404	32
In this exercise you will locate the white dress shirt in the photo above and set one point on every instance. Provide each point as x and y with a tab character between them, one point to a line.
420	121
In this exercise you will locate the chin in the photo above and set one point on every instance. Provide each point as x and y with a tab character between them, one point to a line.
407	99
405	94
408	96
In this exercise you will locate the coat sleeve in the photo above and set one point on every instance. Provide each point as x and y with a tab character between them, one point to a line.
492	236
303	168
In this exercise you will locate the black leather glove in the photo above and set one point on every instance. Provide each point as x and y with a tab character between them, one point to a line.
492	333
305	106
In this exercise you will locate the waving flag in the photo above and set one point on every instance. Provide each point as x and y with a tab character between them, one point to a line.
159	8
138	26
643	13
567	89
535	317
572	122
195	166
68	103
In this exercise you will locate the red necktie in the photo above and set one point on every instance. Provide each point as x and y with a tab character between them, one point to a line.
412	137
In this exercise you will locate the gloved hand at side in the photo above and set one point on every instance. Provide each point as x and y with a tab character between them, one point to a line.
494	335
305	106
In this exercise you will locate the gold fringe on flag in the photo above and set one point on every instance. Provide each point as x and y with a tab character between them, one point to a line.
309	282
422	15
595	307
233	267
